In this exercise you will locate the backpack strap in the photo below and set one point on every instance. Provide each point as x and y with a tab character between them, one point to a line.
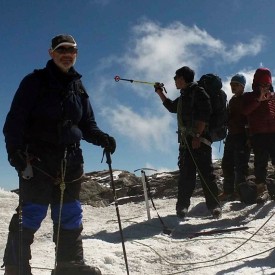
193	89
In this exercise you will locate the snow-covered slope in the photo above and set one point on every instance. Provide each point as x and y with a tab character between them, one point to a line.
150	251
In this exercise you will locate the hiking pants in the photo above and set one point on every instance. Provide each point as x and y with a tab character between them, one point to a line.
42	191
235	162
192	161
264	149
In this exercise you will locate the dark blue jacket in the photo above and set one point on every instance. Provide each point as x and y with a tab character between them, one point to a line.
53	107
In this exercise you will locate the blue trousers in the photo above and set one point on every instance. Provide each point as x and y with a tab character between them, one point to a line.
41	192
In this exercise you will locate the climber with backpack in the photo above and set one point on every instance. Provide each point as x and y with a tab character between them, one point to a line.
50	114
193	109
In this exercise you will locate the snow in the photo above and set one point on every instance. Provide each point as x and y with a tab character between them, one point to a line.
150	251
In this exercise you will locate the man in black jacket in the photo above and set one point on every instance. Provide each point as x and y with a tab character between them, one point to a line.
193	110
49	116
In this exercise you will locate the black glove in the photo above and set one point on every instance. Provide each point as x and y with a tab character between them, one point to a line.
17	159
158	86
108	143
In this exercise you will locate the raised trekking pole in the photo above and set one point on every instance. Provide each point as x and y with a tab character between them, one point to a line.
109	162
161	85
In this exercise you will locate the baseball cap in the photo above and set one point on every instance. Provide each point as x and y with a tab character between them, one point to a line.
63	40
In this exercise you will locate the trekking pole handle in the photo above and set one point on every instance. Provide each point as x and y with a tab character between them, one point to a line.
117	78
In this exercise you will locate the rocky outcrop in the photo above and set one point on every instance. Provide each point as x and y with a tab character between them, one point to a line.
97	189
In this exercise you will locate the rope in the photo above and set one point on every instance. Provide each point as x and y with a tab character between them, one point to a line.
215	259
54	178
227	262
199	172
62	189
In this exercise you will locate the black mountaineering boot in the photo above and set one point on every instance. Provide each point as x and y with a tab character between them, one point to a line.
262	193
216	212
14	270
181	212
75	268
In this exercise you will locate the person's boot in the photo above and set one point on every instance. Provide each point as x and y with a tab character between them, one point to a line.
262	193
75	268
14	270
216	212
226	196
181	212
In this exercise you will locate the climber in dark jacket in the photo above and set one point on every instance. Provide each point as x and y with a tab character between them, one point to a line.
49	116
193	110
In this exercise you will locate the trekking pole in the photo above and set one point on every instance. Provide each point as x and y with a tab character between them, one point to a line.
109	162
62	189
145	189
160	85
20	223
166	230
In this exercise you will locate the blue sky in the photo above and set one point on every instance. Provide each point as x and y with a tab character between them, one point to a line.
141	40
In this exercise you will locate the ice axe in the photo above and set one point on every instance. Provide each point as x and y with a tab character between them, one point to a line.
155	84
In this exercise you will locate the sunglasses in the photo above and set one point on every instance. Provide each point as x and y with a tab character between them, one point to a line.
63	50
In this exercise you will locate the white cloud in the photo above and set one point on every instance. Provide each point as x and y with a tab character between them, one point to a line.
153	54
241	50
156	51
145	130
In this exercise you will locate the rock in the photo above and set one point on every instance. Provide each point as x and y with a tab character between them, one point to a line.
97	189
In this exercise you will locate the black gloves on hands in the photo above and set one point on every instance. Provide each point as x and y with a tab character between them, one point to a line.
158	86
108	143
17	159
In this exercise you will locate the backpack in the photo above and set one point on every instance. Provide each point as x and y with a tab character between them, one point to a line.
212	85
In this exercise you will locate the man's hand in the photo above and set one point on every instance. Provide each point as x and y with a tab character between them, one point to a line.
17	159
108	143
265	94
158	87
